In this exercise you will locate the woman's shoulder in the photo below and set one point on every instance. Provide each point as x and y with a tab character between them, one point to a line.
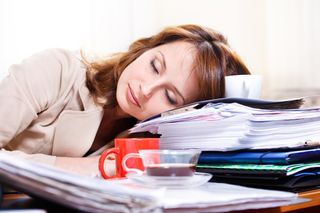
59	54
65	61
50	69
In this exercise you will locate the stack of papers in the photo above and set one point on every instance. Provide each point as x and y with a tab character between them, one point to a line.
287	128
245	143
96	195
232	126
74	191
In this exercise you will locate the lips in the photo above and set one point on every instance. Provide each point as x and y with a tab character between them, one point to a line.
132	98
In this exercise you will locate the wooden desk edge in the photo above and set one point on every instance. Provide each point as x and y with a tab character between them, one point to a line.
314	195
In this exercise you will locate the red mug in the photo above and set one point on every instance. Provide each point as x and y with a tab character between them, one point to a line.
122	147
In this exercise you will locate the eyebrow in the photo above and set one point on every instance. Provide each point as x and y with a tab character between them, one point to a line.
165	68
163	60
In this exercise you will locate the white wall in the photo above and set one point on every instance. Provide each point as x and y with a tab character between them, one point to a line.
293	32
97	26
103	26
276	38
239	21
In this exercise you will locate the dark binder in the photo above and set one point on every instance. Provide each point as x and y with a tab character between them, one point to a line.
298	182
261	157
305	176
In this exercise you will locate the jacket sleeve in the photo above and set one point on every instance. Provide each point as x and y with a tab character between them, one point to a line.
30	88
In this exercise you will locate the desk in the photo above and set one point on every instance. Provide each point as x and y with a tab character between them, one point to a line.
311	206
306	207
25	202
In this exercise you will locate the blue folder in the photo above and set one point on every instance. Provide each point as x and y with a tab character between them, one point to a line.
260	157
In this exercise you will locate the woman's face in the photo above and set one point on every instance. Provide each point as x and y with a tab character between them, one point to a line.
159	80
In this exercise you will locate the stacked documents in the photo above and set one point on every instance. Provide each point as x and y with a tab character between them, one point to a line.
89	194
247	144
233	126
78	192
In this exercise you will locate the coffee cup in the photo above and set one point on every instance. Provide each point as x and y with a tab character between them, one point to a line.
124	146
243	86
170	163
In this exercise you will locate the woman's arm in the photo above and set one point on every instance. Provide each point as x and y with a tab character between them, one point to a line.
31	88
85	166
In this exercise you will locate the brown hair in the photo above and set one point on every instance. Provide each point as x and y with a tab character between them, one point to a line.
214	60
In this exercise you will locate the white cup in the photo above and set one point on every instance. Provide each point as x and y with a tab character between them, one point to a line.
243	86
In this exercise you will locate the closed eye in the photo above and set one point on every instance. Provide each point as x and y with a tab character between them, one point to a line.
170	99
153	66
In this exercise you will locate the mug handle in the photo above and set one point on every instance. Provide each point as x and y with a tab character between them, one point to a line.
127	169
102	158
245	90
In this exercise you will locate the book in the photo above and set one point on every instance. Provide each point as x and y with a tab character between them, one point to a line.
96	195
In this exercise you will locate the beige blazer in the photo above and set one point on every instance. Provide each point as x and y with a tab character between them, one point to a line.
46	109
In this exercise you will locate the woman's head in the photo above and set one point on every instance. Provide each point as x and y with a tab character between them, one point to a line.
160	79
200	58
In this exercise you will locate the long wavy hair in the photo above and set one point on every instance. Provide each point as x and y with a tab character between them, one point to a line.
213	61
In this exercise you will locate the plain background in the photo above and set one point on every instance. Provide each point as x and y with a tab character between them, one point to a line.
276	38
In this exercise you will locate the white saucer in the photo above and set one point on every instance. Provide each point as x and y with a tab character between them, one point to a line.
171	182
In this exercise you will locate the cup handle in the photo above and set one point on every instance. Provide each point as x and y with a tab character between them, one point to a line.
127	169
102	158
245	90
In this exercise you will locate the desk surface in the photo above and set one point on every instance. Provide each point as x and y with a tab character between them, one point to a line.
310	206
313	195
306	207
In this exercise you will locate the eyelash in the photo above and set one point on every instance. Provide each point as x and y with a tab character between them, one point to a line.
170	100
154	68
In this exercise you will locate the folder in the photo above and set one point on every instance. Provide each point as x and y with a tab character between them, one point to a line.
261	156
258	169
296	177
298	182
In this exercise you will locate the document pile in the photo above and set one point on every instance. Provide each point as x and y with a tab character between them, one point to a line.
231	126
74	191
252	146
95	195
